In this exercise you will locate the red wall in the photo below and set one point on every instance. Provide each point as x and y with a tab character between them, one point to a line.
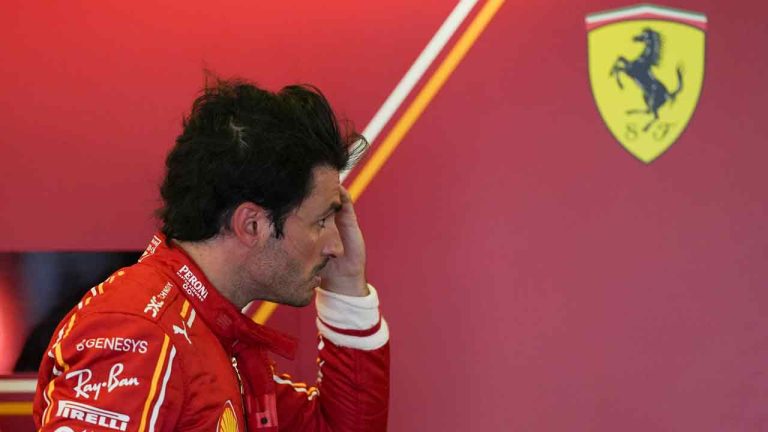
535	275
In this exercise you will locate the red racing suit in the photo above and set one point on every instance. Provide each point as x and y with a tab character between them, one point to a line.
156	348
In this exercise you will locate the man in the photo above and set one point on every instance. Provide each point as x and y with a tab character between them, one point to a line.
253	209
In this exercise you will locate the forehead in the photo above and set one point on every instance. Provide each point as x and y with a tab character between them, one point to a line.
324	192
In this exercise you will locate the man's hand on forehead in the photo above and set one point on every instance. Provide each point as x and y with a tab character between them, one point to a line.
346	274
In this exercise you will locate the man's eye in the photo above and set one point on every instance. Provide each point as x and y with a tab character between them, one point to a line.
323	221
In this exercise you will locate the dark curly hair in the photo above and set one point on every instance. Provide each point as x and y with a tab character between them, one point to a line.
241	144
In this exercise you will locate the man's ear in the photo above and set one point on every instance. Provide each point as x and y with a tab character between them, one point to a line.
250	224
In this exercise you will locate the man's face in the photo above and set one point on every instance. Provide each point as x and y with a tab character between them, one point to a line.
287	269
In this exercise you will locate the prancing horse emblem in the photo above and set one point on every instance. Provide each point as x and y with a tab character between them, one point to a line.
655	93
659	49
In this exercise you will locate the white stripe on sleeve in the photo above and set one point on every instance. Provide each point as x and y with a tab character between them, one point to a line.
161	398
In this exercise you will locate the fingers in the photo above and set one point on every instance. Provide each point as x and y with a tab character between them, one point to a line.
347	213
344	194
346	222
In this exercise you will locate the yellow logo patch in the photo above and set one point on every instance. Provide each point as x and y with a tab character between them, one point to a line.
228	419
646	68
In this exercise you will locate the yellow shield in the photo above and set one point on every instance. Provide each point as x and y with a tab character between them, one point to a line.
228	419
646	68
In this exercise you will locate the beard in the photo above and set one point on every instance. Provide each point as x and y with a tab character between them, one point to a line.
275	276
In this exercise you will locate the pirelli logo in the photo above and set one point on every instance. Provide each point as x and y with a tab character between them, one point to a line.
93	415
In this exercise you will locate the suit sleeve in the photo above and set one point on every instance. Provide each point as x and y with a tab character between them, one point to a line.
108	371
352	391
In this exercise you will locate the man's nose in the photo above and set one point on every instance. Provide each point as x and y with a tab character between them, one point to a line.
334	247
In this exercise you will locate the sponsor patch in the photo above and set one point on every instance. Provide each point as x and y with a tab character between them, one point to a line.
182	331
156	302
151	248
85	388
228	419
192	284
95	416
119	344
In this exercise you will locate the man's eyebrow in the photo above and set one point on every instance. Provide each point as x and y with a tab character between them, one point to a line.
335	207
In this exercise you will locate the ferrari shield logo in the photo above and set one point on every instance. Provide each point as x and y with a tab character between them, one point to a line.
646	67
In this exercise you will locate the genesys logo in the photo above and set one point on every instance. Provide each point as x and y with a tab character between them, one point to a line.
86	389
119	344
192	284
95	416
156	302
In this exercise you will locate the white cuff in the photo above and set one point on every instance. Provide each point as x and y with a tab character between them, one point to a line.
365	343
348	312
344	312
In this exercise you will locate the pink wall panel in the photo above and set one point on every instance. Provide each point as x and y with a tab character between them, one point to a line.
552	282
93	95
535	275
